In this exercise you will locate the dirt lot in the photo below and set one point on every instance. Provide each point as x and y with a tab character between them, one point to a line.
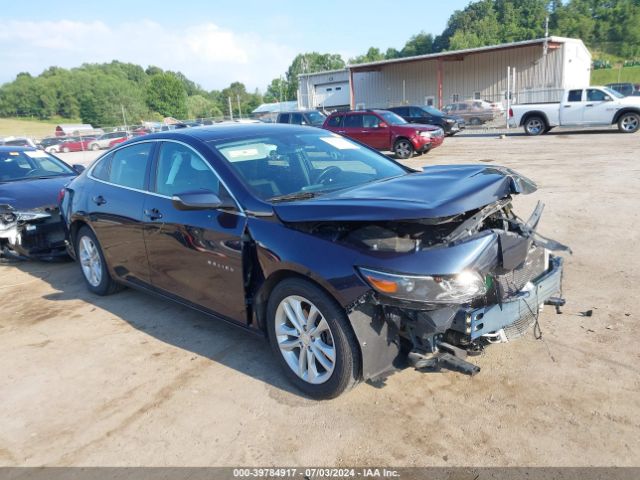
132	380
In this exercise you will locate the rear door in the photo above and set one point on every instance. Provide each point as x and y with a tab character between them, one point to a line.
352	127
115	209
572	110
194	255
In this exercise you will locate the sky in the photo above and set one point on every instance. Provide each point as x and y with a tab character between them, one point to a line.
213	42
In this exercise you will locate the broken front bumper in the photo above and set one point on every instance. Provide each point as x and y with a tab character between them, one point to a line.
514	316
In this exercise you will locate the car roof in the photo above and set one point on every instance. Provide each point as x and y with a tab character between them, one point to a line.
226	130
9	148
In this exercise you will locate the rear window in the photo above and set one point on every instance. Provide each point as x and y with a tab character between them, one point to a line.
353	121
126	167
575	96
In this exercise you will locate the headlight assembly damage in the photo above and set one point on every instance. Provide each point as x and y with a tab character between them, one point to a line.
34	233
484	276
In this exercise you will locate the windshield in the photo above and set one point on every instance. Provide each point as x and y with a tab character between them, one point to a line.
285	166
433	111
24	165
316	118
613	92
392	118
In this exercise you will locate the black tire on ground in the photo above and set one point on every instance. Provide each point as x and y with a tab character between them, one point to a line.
629	122
106	285
403	149
94	147
534	125
475	121
66	150
346	370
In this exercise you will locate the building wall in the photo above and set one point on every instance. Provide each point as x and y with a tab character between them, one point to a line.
482	75
311	89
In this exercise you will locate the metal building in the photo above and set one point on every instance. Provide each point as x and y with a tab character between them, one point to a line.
532	70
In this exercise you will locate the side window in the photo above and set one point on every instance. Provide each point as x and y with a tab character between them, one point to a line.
296	118
284	118
415	112
402	111
101	170
335	121
575	96
353	121
181	170
594	95
129	165
370	121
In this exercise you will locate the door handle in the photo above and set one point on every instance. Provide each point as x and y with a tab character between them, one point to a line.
589	105
567	106
342	131
153	214
99	200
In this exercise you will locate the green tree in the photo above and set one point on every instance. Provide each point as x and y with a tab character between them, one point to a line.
372	55
310	63
166	95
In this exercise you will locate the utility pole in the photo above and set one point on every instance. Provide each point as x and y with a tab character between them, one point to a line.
239	109
124	118
546	36
230	109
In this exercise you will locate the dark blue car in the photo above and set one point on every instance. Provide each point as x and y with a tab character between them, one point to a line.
30	183
350	263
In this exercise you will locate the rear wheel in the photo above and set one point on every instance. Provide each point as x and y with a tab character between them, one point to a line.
534	125
93	265
66	150
629	122
403	148
475	121
312	339
94	146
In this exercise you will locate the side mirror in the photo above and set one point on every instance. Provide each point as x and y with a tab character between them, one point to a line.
78	168
199	200
608	99
382	125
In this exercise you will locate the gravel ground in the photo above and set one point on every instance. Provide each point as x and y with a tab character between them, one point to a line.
133	380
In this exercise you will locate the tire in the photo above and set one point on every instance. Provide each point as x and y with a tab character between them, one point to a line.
319	379
403	149
629	122
535	125
475	121
102	284
66	150
95	146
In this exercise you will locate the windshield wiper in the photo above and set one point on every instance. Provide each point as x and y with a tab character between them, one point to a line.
293	196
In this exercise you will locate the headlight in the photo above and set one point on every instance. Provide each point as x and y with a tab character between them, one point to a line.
29	216
426	134
450	121
446	289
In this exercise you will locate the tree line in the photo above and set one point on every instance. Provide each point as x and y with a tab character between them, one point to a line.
116	92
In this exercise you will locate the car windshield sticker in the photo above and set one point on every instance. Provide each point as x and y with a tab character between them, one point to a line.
339	143
36	154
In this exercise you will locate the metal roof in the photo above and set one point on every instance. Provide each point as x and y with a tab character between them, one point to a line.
453	53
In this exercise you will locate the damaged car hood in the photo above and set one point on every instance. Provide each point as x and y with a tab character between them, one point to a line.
438	191
33	193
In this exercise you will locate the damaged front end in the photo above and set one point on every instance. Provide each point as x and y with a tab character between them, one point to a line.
443	288
36	233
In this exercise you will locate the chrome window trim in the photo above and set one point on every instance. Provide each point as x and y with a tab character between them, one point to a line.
240	211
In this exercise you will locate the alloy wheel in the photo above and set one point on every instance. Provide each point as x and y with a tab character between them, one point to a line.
90	261
534	126
403	149
629	123
305	339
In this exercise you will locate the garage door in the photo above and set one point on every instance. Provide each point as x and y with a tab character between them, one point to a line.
332	94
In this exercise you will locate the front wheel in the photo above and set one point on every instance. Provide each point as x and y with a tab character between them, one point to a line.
94	146
92	263
534	126
629	122
312	339
403	149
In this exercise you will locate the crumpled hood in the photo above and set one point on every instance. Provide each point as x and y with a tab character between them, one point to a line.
438	191
30	194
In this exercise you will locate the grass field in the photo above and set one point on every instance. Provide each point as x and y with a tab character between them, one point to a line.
615	75
19	127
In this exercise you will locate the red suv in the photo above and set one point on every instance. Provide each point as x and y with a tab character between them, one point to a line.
384	130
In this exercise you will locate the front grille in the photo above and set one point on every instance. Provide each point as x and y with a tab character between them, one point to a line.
518	328
512	282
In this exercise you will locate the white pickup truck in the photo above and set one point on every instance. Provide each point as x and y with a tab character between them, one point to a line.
580	107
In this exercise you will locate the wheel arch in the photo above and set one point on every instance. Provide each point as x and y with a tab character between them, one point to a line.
622	111
534	113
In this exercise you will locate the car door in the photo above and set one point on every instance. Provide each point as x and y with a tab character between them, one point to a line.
599	108
375	132
352	127
115	208
571	112
195	255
